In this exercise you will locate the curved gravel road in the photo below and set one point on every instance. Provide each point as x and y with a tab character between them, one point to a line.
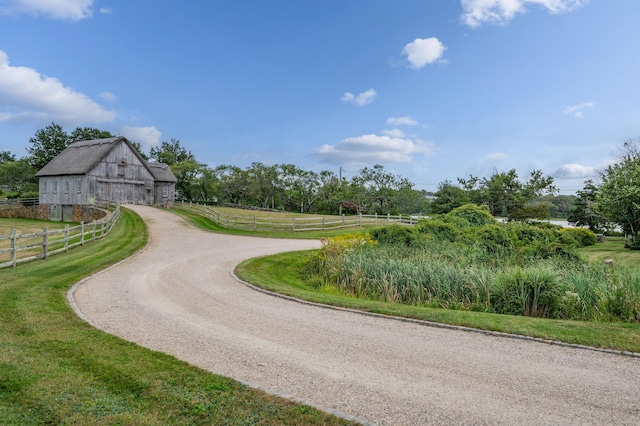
178	296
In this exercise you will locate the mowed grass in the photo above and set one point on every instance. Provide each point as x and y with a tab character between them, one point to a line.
613	249
209	225
28	226
57	369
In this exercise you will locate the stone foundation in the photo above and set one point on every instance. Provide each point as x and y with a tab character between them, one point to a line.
44	212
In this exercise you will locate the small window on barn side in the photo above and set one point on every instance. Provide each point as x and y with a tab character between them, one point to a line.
66	186
55	186
165	192
79	185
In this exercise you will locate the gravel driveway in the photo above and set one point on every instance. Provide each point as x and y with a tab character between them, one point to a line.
178	296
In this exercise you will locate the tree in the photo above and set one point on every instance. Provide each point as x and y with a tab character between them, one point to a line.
6	156
87	134
506	196
18	176
46	144
618	196
170	153
448	197
585	211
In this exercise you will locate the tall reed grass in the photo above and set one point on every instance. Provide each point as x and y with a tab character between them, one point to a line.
510	269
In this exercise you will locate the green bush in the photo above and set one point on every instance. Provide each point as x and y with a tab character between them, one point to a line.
527	233
394	235
473	214
438	229
496	239
578	237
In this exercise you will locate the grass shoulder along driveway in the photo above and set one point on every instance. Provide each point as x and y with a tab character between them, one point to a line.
57	369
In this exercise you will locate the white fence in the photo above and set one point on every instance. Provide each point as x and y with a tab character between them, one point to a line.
255	222
20	248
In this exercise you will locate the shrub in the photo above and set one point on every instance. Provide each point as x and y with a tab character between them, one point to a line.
578	237
394	235
438	229
474	215
527	233
496	239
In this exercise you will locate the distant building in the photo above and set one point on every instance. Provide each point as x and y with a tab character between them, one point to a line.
102	171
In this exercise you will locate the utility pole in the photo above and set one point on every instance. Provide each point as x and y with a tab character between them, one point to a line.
340	182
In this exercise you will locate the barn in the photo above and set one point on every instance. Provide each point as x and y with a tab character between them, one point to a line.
103	171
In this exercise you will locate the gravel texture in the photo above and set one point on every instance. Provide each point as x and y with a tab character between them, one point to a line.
179	296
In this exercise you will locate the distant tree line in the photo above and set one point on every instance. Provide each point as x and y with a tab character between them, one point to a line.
614	202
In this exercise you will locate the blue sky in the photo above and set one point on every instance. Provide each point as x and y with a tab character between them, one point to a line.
431	89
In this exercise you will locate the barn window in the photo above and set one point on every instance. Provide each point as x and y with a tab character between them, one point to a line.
66	186
79	185
165	191
55	186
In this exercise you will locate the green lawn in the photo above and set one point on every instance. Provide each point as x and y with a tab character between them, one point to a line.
613	248
57	369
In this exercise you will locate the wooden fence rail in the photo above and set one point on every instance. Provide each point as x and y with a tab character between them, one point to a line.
20	248
294	223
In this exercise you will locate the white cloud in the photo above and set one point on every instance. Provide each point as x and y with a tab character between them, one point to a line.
478	12
108	96
72	10
496	156
574	171
368	149
394	133
147	136
362	99
423	51
578	110
28	96
105	11
402	121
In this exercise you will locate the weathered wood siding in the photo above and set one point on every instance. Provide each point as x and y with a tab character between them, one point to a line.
121	177
164	194
65	190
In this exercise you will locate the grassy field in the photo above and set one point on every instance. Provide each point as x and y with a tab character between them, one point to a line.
28	226
613	248
208	225
57	369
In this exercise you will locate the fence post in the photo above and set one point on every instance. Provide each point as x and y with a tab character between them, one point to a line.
343	220
388	217
293	224
81	233
254	222
93	232
45	241
376	218
360	219
14	247
66	237
323	223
